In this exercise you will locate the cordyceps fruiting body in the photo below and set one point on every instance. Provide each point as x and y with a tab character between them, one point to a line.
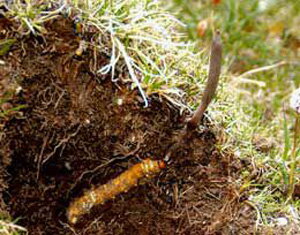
120	184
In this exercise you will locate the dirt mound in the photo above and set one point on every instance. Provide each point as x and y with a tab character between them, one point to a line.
79	129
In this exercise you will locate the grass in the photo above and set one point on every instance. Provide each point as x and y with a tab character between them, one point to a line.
10	228
128	31
5	45
261	47
151	43
31	15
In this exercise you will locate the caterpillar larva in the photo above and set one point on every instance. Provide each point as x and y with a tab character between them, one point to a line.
120	184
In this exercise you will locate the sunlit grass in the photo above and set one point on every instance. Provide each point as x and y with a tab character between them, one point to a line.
258	34
11	228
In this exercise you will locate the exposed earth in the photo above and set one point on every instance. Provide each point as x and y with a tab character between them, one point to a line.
68	128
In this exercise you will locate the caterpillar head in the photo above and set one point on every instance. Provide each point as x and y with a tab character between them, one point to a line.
72	214
151	167
78	208
161	164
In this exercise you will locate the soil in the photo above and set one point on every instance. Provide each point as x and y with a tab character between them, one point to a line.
78	129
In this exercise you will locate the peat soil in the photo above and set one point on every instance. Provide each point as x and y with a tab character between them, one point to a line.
77	129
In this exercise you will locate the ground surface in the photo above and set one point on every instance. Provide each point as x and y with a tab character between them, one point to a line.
79	129
261	49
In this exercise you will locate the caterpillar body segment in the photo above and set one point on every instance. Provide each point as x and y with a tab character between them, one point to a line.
120	184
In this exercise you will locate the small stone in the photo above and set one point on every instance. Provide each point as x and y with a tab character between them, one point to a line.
281	221
18	90
119	101
6	106
68	166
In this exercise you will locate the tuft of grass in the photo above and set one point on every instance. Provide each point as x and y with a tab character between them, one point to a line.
31	15
140	35
5	45
11	228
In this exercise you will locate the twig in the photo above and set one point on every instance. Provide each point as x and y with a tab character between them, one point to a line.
242	78
212	82
264	68
249	81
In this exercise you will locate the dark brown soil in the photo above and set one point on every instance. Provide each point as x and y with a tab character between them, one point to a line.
80	129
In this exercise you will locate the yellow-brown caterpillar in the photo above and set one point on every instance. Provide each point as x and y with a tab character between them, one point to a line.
120	184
